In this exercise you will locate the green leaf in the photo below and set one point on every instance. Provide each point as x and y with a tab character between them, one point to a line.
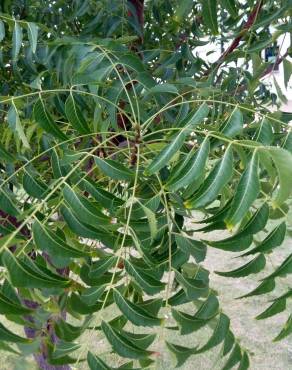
134	313
228	343
75	116
23	275
95	363
279	305
283	162
75	304
243	238
151	220
170	150
281	96
265	286
284	269
162	88
246	193
5	156
230	6
62	349
287	70
190	169
2	31
264	133
91	295
45	120
16	41
86	231
234	358
259	45
69	332
142	341
83	209
180	354
15	124
152	305
190	323
114	170
216	180
183	9
34	187
194	288
146	282
32	30
287	330
219	334
101	266
7	336
48	241
271	241
252	267
7	306
7	204
105	198
244	363
209	13
219	215
195	248
121	345
234	124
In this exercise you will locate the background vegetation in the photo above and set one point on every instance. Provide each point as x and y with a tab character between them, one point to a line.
126	159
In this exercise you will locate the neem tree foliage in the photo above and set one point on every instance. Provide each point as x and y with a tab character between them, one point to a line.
113	132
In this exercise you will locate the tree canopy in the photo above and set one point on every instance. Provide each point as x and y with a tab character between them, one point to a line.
115	133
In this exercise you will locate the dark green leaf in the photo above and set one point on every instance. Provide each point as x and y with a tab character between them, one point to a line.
146	282
23	275
230	6
7	306
194	288
209	12
271	241
180	354
34	187
246	193
279	305
134	312
234	124
5	156
252	267
121	345
15	124
32	30
217	179
283	162
219	334
45	120
101	266
195	248
114	170
287	330
265	286
170	150
83	209
234	358
8	336
48	241
16	41
75	116
190	169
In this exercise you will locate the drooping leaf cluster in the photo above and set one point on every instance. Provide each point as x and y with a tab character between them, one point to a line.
115	135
